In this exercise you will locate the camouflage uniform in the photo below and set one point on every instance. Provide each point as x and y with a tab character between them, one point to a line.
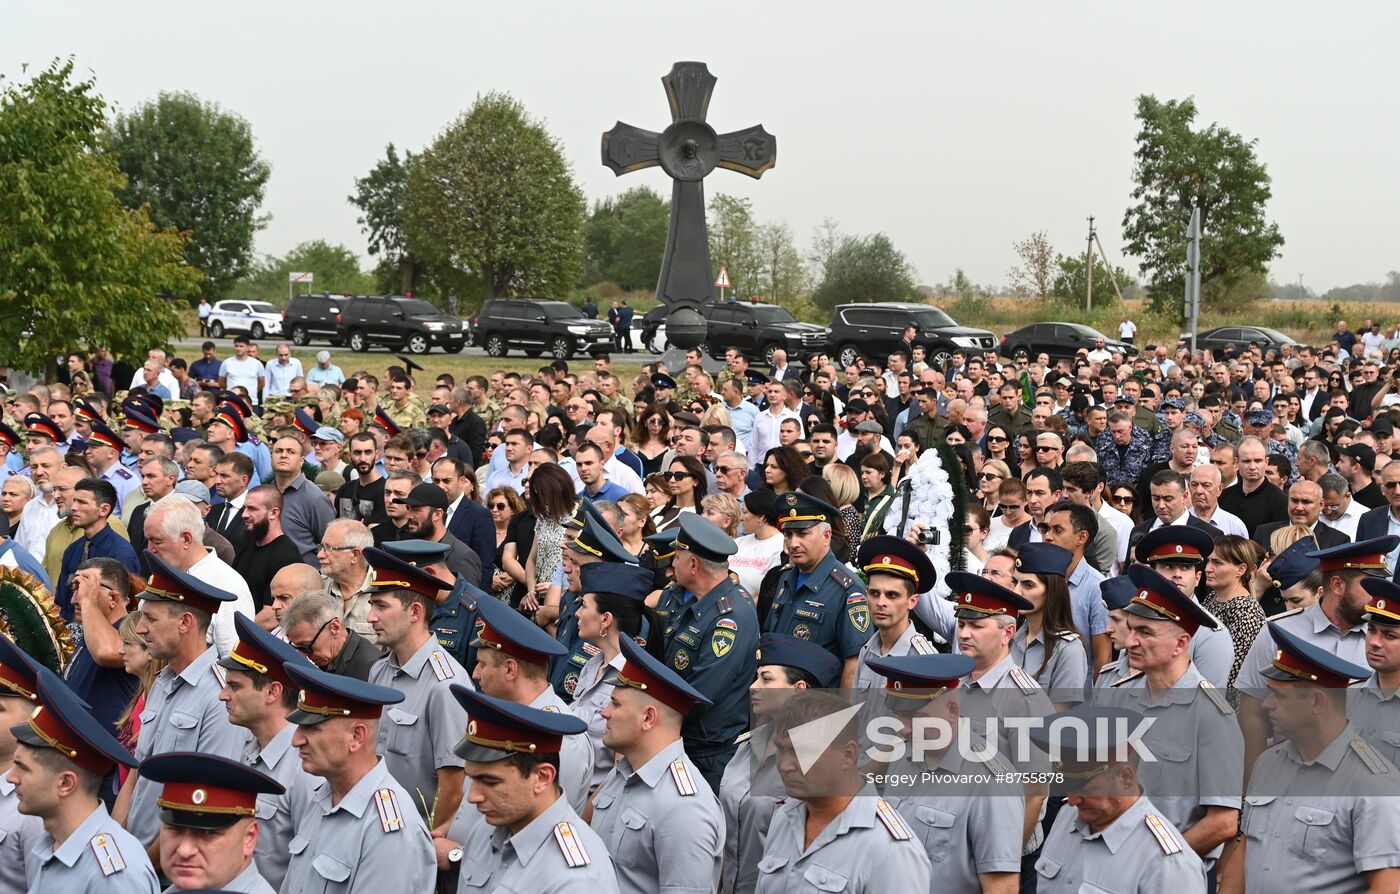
411	415
1134	460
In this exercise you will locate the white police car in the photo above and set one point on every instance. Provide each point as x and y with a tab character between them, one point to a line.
252	318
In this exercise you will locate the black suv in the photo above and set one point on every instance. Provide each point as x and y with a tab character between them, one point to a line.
399	322
758	330
537	325
313	316
874	330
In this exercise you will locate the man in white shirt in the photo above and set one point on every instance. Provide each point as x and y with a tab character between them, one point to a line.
175	533
768	424
1127	330
40	514
1100	354
243	370
167	378
1206	487
1339	510
281	371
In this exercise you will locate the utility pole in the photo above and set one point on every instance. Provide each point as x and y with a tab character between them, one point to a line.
1193	275
1089	268
1109	267
1302	295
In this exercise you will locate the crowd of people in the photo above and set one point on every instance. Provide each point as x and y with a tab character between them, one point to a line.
550	628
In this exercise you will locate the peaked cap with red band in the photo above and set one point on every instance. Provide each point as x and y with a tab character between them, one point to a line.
645	674
169	584
899	557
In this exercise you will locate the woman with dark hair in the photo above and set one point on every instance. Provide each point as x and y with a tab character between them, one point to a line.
1123	496
761	547
686	479
998	446
969	467
957	434
1046	645
875	479
783	468
551	500
651	437
604	617
1228	571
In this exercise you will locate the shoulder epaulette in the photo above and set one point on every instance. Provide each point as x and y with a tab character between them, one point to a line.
1288	614
442	669
220	675
570	846
1133	676
842	576
1216	697
920	645
743	737
1068	635
1023	680
109	856
1163	832
1374	762
894	823
723	605
387	803
681	774
1107	667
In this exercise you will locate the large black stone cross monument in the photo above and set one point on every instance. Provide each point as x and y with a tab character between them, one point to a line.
688	150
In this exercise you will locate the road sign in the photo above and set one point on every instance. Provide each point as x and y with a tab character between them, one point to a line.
723	281
301	277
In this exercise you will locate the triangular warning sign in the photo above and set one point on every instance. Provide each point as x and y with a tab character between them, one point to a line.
723	281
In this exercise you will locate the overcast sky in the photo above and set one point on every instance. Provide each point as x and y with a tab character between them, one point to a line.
956	128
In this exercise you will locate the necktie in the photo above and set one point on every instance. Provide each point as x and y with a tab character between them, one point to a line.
87	548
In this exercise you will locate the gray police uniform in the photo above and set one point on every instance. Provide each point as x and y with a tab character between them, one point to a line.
575	755
1064	675
17	836
372	842
276	813
749	792
967	831
123	479
1376	716
910	642
1213	654
1297	839
249	881
98	856
1196	739
183	713
417	735
829	608
556	853
868	847
1138	853
591	696
1116	671
1312	626
662	825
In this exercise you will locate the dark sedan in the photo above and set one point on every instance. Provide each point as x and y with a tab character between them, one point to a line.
1230	339
1059	340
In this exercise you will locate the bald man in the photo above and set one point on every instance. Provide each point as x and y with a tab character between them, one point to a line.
287	584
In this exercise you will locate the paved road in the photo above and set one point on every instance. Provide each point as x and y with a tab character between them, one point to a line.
189	347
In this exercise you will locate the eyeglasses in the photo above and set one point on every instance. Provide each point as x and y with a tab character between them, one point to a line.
730	470
1042	448
675	476
805	454
499	507
989	476
323	548
1124	498
305	648
1391	485
997	439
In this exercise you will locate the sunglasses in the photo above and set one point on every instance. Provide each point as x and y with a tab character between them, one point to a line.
996	439
675	476
1044	448
305	648
989	476
500	507
1124	498
728	470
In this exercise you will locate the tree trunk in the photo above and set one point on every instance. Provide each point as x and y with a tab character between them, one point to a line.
408	270
488	281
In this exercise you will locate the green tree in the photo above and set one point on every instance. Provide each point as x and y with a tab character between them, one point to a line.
76	266
380	196
626	239
782	276
1177	167
734	243
335	267
1036	273
1068	288
865	268
493	195
196	169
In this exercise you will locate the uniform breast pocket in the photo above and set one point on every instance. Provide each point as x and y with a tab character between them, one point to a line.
331	869
403	728
634	849
297	845
184	732
822	878
1255	821
267	811
475	875
935	828
1322	833
1046	867
1390	745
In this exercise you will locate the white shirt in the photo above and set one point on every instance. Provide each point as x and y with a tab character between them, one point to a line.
1127	329
1179	520
245	372
998	532
1100	355
36	520
1348	521
1229	523
846	444
166	378
766	427
754	558
1123	527
1372	341
614	470
212	570
452	509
